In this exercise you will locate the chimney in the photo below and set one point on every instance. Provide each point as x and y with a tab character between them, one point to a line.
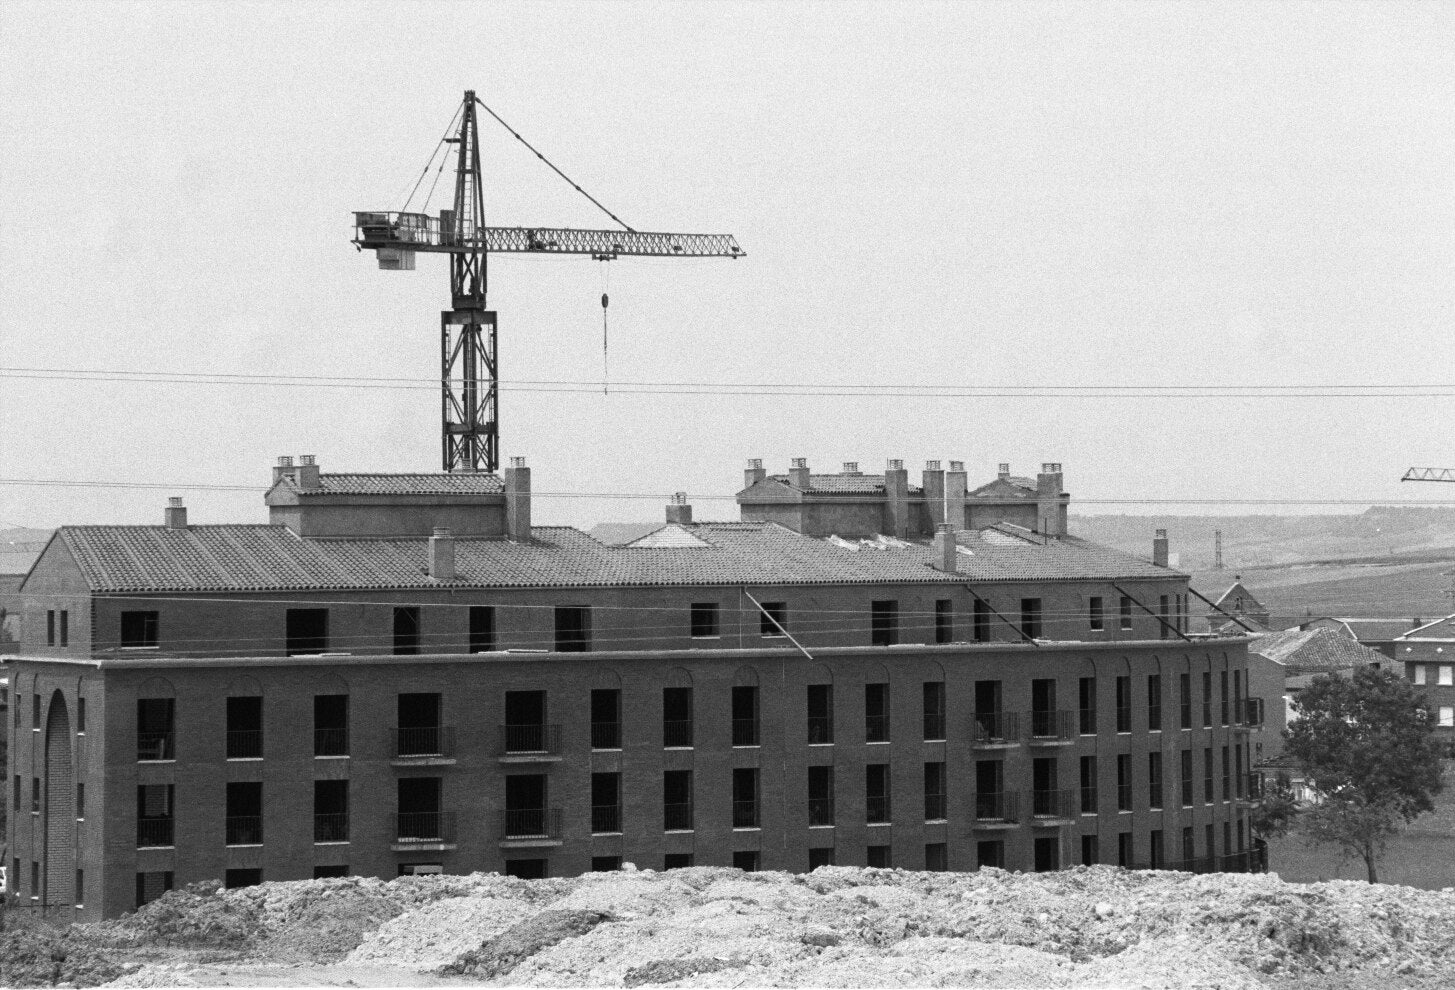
678	511
852	468
798	473
517	500
176	514
955	488
947	557
1004	474
307	476
442	555
933	483
1050	512
896	499
283	468
1159	548
754	473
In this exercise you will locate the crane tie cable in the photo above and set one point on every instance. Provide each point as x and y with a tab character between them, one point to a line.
553	168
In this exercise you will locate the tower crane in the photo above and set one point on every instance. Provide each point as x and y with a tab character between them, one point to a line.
469	368
1429	474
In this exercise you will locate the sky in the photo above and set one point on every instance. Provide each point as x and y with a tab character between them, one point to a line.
1006	196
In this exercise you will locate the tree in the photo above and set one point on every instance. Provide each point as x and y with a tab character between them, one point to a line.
1367	747
1277	809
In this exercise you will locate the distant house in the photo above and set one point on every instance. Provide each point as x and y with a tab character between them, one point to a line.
1427	657
1377	634
1237	601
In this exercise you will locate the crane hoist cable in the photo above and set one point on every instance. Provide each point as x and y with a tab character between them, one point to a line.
605	364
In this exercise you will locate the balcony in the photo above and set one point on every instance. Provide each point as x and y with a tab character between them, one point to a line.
1088	800
820	730
152	833
745	732
934	727
605	819
991	730
745	814
433	744
1086	721
244	830
245	744
1053	807
331	828
1051	728
820	811
423	829
606	735
1249	714
935	809
876	810
531	826
677	816
154	746
876	728
530	743
997	809
330	742
677	733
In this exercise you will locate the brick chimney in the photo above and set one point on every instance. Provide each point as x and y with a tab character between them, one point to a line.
176	514
1004	473
282	469
307	476
798	475
851	468
1159	548
947	557
442	555
754	473
933	483
1050	513
896	499
678	511
517	500
956	485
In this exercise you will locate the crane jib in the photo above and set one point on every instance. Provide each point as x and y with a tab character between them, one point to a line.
422	232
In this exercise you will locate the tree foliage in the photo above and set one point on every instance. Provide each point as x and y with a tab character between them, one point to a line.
1367	747
1277	809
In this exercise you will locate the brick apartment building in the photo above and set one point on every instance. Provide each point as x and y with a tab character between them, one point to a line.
400	673
1426	657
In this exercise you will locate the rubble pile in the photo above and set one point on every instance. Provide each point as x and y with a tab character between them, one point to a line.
718	927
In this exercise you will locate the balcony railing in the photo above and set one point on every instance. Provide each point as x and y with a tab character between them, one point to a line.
331	827
820	729
244	830
876	728
1250	712
934	726
997	806
745	814
155	746
1086	721
244	744
606	818
677	816
934	807
876	809
424	826
745	732
522	739
677	733
606	735
1255	787
1050	726
330	742
426	740
1088	800
153	832
1053	803
531	823
820	811
995	728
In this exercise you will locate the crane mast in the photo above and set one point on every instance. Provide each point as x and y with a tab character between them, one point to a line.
469	366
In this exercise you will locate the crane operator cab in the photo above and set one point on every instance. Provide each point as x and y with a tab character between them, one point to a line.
394	236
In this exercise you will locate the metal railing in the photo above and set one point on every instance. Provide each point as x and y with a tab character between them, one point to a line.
677	733
606	818
876	809
330	742
745	814
1250	712
993	728
934	726
1086	721
1050	725
332	827
155	746
244	744
151	832
997	806
935	807
606	735
530	823
1059	803
876	728
820	729
1088	800
820	811
424	826
244	830
1255	786
677	816
745	732
545	739
424	740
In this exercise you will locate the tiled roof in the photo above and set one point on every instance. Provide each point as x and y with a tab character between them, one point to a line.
1006	488
250	558
402	484
1319	649
844	484
1439	629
